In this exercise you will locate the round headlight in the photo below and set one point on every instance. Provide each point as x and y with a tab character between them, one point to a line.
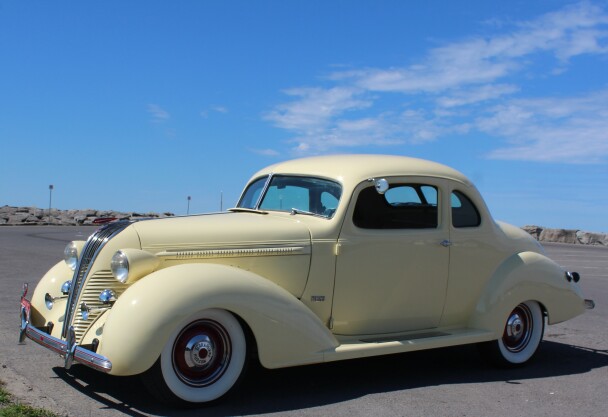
120	266
70	255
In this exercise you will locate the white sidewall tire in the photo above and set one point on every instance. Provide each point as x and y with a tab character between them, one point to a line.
230	376
536	336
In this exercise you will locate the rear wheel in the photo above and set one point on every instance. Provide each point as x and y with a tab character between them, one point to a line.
202	360
521	336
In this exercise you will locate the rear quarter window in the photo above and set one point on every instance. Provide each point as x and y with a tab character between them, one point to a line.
464	212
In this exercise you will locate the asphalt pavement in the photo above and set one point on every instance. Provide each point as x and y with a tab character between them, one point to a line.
568	377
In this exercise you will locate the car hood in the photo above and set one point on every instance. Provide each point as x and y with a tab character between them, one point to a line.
221	230
276	247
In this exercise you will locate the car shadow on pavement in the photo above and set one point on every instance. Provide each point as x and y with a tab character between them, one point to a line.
273	391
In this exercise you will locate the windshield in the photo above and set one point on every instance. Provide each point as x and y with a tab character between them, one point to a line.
287	193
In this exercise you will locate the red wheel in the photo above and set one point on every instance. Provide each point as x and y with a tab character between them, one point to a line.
521	336
201	353
519	329
202	360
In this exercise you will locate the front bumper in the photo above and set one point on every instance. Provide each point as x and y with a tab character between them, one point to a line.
67	349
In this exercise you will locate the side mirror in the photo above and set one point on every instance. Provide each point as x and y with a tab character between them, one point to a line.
381	186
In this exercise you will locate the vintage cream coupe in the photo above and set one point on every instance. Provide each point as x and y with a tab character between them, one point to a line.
323	259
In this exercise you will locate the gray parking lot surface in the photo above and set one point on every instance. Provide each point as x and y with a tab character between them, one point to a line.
568	377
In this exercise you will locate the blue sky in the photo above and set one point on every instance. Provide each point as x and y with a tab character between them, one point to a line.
135	105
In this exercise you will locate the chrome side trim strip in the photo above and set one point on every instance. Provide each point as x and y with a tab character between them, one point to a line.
235	252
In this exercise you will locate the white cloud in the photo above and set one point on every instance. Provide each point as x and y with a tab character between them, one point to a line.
158	114
441	94
566	33
573	130
476	95
314	108
265	152
215	109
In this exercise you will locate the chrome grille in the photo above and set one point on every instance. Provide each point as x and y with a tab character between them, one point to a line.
98	282
91	248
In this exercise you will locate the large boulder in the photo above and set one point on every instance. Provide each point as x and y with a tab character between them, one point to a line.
589	238
534	231
558	236
571	236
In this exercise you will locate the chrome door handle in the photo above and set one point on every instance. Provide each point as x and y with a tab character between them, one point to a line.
446	243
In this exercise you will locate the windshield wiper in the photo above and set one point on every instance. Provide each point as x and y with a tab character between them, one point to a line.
295	211
246	210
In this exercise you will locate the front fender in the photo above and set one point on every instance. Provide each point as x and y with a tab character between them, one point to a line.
140	322
50	283
522	277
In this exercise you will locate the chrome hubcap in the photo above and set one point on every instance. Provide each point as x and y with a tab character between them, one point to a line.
201	353
518	329
515	327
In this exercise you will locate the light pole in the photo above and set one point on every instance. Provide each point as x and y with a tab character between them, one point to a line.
221	201
188	211
50	200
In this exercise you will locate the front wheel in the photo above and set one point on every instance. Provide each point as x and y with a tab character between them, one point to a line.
521	337
202	360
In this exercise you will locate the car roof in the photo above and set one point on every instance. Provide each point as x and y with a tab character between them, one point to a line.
355	168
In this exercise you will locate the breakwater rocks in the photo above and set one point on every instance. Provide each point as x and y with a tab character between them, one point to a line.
572	236
24	216
32	216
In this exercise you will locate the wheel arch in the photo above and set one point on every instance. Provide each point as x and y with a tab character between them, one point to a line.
285	331
526	276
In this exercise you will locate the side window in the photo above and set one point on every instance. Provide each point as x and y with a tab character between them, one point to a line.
403	206
403	195
464	212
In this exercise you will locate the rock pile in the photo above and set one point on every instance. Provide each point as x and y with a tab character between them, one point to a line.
26	216
572	236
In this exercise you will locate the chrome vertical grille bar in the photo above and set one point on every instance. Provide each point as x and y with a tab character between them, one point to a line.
94	244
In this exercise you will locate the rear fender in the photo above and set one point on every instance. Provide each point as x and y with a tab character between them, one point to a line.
140	322
522	277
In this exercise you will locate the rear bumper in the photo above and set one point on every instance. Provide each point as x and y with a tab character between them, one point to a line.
65	348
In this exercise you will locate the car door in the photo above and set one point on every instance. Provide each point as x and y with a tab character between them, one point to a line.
393	256
475	253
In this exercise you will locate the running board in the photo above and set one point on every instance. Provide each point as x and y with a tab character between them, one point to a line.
419	341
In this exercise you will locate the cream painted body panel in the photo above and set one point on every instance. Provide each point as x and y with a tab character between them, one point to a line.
522	277
319	290
390	281
286	332
51	283
277	248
